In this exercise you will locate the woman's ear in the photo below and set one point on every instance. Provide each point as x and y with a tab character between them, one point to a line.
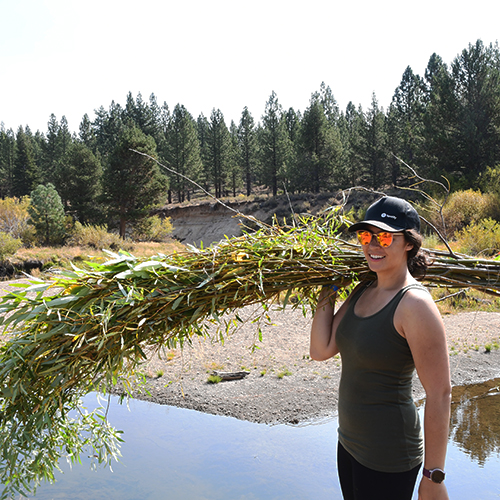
409	246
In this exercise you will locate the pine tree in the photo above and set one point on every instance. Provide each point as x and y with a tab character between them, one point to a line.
183	152
7	162
38	148
164	118
320	148
64	137
218	152
203	127
80	187
329	104
247	144
293	127
352	135
235	178
407	122
60	147
161	118
440	118
132	182
87	134
51	152
375	146
155	127
108	126
129	112
26	175
293	123
275	146
138	113
56	143
47	214
476	72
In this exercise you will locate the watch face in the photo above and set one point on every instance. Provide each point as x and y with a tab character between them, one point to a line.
437	476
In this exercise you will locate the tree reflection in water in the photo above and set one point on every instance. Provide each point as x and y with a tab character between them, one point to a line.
475	419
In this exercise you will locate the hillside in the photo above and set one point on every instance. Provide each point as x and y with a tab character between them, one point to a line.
210	222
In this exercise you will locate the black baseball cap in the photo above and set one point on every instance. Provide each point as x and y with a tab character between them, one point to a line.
390	214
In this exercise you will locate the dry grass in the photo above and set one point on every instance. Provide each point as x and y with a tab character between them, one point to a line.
63	256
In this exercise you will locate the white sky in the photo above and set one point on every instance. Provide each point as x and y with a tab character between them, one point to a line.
69	57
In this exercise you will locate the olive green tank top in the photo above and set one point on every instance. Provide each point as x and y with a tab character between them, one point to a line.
378	420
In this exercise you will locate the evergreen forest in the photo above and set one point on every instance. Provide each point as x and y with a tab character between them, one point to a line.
444	123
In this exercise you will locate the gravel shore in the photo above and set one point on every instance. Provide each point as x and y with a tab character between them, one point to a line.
284	385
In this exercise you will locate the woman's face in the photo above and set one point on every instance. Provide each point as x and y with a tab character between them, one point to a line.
386	258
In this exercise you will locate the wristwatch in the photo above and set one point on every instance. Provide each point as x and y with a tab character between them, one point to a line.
435	475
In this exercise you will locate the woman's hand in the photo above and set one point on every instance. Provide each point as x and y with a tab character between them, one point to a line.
325	322
432	491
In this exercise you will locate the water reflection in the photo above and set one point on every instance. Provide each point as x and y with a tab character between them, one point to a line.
177	454
475	420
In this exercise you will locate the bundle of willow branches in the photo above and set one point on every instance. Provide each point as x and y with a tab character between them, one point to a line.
101	320
84	329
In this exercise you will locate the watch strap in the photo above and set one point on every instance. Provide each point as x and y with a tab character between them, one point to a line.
435	475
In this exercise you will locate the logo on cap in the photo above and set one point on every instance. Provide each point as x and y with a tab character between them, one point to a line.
387	215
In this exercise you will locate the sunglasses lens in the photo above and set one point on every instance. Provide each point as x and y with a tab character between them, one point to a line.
384	239
364	237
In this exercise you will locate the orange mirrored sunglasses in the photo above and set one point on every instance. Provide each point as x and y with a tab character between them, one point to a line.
384	238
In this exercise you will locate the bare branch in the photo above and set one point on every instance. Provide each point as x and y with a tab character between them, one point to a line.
428	197
441	237
461	291
237	212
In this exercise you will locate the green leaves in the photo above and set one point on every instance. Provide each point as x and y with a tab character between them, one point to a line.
101	321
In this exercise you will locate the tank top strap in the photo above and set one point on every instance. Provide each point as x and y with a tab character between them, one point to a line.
398	297
391	306
418	286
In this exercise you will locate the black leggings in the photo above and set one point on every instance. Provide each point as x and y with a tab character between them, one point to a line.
361	483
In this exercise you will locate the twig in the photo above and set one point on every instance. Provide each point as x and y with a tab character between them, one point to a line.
290	203
441	237
462	290
431	199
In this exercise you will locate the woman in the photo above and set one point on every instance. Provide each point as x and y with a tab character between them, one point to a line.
383	331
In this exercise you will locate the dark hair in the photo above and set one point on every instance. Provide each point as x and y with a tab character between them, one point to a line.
418	260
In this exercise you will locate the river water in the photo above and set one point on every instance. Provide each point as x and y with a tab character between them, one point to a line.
178	454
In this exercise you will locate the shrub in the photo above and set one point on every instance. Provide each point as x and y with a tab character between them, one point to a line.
98	237
152	229
490	180
14	217
431	240
8	245
482	237
468	207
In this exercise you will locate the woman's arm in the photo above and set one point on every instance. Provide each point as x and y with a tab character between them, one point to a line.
420	322
322	344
